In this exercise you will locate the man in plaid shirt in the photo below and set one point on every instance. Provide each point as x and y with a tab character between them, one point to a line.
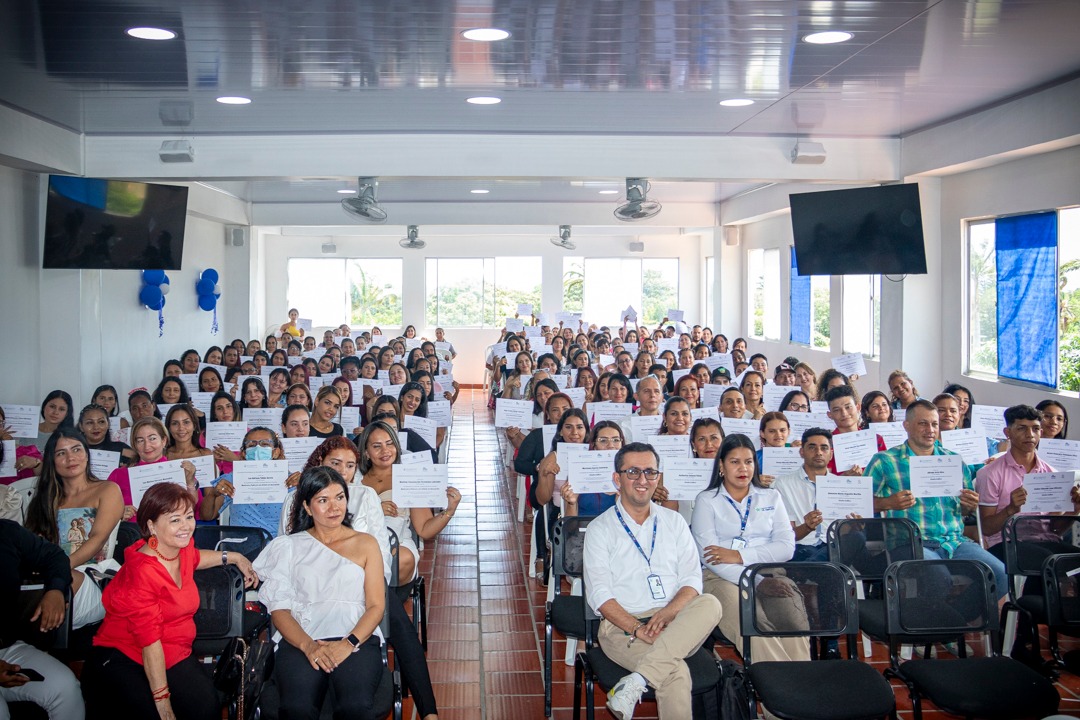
940	519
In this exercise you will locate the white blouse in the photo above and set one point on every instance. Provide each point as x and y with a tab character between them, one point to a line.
323	590
768	535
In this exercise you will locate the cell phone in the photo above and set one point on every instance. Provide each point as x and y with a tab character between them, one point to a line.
30	674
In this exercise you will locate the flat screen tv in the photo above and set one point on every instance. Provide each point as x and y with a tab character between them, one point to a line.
863	231
114	224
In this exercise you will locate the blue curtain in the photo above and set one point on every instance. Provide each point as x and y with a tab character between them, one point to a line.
800	304
1027	297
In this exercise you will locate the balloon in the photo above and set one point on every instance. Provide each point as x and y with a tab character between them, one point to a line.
207	302
153	277
151	297
217	289
210	274
205	286
164	287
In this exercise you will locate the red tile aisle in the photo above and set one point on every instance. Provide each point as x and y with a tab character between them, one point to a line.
486	619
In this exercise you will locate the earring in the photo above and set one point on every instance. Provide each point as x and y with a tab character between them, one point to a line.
152	542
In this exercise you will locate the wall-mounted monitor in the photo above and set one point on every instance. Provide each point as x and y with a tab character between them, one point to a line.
114	224
862	231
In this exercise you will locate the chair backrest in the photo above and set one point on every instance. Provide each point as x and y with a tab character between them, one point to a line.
395	548
1061	584
1027	537
127	534
940	598
869	545
568	547
248	541
796	599
221	603
26	487
29	631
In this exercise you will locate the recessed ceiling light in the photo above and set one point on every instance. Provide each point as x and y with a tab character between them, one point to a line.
828	37
485	34
346	191
609	192
482	100
736	102
233	100
479	192
151	33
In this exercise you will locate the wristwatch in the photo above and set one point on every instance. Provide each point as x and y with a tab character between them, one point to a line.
353	640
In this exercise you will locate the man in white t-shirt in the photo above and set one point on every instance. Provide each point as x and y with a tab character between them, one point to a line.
799	491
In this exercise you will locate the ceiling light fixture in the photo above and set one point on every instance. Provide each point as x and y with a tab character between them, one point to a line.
479	192
736	102
827	37
485	34
483	100
345	191
609	192
234	100
150	33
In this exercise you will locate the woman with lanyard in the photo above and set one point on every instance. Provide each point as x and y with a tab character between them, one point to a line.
735	524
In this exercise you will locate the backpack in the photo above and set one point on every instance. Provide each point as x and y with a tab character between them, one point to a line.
734	694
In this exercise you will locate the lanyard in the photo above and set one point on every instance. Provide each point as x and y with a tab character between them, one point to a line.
745	516
648	558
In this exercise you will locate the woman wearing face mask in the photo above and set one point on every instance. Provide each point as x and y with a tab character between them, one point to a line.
94	425
184	442
149	439
260	444
605	435
278	384
327	405
56	411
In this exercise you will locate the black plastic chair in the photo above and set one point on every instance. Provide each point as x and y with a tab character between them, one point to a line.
564	612
809	689
248	541
127	534
947	598
1061	588
1028	540
414	591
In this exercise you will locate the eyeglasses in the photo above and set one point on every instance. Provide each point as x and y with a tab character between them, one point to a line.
650	474
259	443
798	407
608	441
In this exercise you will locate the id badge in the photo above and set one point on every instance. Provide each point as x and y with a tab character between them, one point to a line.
656	587
738	543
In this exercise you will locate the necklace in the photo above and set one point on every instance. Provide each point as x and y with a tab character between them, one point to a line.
153	545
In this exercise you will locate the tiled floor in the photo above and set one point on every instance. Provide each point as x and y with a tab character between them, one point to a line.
485	618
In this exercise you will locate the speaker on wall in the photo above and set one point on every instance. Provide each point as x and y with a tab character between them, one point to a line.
236	235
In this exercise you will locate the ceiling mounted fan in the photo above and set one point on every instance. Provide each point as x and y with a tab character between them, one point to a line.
413	241
637	205
365	205
564	240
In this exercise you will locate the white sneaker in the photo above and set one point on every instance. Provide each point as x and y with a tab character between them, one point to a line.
624	697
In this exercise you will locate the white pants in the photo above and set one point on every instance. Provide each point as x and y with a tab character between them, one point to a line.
58	694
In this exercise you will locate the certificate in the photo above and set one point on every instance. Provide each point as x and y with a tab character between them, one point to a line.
515	325
205	469
143	477
298	450
542	349
22	420
854	448
705	412
439	412
675	315
643	427
773	395
631	348
989	419
892	433
671	344
548	435
221	369
229	434
416	458
164	409
1049	492
114	428
605	360
513	413
564	454
576	395
419	485
710	395
743	426
424	427
629	314
315	383
777	461
936	475
349	418
191	382
1060	454
968	443
304	324
684	478
7	465
723	360
525	309
850	364
590	472
102	463
819	406
202	401
679	374
269	418
670	447
800	422
443	348
260	481
841	495
604	410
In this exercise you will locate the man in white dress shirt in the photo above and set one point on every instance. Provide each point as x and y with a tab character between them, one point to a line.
650	396
643	576
799	490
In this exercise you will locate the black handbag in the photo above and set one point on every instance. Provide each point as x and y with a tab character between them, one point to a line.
734	696
242	670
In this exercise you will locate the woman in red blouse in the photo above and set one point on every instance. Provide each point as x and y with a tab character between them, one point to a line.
141	665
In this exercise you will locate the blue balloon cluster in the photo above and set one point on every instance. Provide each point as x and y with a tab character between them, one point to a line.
153	293
208	289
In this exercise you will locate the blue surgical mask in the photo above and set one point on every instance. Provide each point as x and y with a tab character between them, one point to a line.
259	453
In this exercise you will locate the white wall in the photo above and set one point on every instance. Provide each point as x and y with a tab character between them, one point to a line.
471	343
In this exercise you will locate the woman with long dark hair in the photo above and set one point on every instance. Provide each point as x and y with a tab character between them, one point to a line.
57	409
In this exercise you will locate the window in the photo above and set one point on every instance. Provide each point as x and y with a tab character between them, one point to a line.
710	281
763	273
573	284
862	314
357	291
660	289
1023	298
809	308
606	286
518	280
480	292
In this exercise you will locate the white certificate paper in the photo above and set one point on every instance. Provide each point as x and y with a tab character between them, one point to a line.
892	433
201	401
989	419
773	395
710	395
263	417
854	448
439	412
841	495
423	427
590	472
850	364
513	413
102	463
349	418
419	486
576	395
1049	492
229	434
1060	454
564	454
743	426
686	477
777	461
604	410
142	477
22	419
417	458
298	450
936	475
968	443
260	481
7	466
800	422
644	427
705	412
205	469
670	447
